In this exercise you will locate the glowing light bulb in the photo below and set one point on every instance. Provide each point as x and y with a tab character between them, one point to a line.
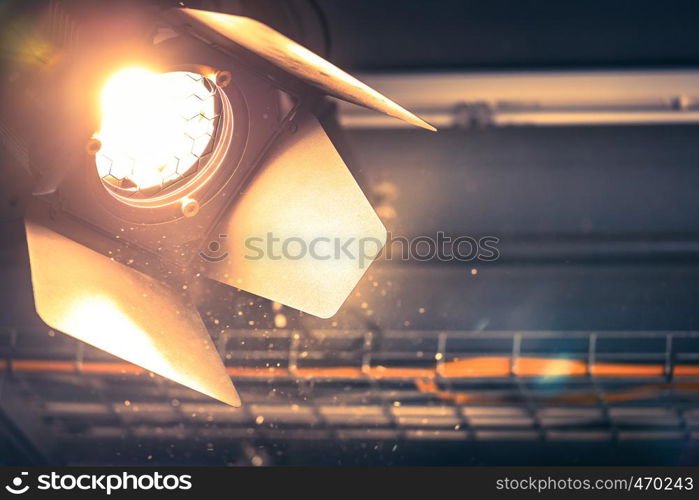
155	127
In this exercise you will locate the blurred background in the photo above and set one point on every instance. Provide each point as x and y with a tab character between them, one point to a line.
569	131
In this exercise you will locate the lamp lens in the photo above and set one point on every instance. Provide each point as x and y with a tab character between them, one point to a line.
156	129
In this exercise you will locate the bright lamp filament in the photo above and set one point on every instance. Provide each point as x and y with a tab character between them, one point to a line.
155	128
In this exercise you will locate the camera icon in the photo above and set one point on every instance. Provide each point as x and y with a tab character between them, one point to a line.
16	487
213	251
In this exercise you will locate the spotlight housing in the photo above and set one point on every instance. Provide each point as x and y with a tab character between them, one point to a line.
155	139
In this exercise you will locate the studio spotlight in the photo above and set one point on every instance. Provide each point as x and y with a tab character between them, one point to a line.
150	134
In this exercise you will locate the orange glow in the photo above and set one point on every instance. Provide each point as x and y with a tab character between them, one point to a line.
622	370
477	367
542	367
425	383
686	371
339	372
379	372
154	127
462	368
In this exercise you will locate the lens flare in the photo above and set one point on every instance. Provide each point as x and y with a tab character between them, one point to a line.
155	129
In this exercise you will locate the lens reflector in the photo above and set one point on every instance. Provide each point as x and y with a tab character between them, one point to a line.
156	128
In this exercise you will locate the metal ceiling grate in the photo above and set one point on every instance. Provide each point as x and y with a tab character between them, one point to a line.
358	385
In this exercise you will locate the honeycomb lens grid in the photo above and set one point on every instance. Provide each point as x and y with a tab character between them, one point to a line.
157	132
